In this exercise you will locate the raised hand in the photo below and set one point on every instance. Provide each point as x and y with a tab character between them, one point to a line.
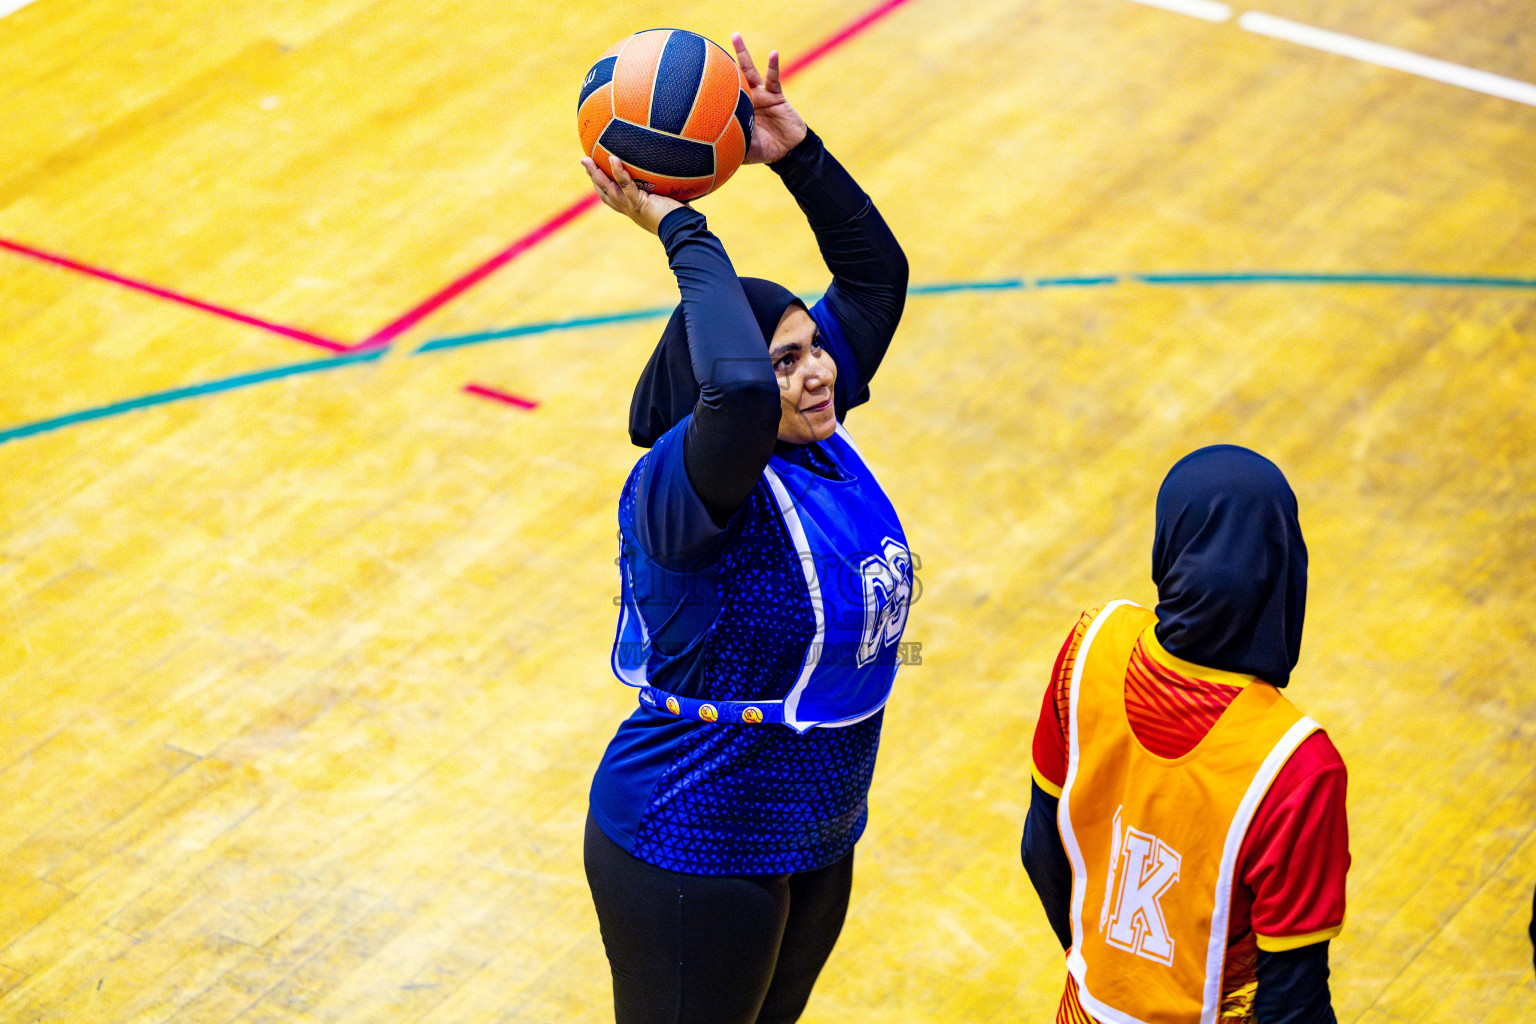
620	193
776	128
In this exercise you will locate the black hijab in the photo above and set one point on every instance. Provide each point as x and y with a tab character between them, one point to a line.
1230	564
668	388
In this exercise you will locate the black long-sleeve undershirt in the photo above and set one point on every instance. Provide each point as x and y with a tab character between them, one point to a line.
869	271
735	423
1045	861
1292	985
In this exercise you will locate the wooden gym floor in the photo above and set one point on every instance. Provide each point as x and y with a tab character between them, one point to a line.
303	661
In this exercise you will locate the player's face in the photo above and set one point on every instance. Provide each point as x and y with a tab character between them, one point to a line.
806	374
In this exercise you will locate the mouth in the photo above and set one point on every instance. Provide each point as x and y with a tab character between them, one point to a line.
822	407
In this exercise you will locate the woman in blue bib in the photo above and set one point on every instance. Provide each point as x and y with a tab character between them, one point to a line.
765	582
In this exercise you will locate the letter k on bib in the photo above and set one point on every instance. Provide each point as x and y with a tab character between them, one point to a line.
1145	869
1153	841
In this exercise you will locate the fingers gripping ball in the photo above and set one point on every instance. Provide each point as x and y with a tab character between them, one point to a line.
673	106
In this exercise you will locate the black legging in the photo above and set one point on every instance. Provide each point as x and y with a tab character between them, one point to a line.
704	949
1533	929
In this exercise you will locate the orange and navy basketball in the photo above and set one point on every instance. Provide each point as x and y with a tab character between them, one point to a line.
673	106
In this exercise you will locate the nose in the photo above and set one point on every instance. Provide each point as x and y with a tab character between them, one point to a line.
816	376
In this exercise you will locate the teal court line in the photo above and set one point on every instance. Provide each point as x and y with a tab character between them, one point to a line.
1431	280
548	326
192	391
544	327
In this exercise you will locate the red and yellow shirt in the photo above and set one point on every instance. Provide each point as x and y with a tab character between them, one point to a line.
1287	885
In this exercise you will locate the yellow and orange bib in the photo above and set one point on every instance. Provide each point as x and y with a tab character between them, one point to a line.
1153	842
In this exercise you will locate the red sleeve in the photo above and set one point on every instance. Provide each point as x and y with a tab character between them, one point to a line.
1295	856
1050	745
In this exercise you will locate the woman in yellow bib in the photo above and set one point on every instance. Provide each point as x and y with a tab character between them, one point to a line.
1187	833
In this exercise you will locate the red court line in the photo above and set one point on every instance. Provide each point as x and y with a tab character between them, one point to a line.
390	331
166	293
501	396
838	38
386	334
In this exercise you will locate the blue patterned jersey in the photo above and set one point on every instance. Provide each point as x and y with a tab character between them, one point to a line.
732	619
722	798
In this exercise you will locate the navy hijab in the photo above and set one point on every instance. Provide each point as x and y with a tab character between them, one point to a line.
1230	564
668	389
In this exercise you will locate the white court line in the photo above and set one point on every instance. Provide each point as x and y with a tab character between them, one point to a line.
1389	57
1205	10
12	6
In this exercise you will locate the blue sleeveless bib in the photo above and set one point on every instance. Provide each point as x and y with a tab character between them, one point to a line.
858	573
